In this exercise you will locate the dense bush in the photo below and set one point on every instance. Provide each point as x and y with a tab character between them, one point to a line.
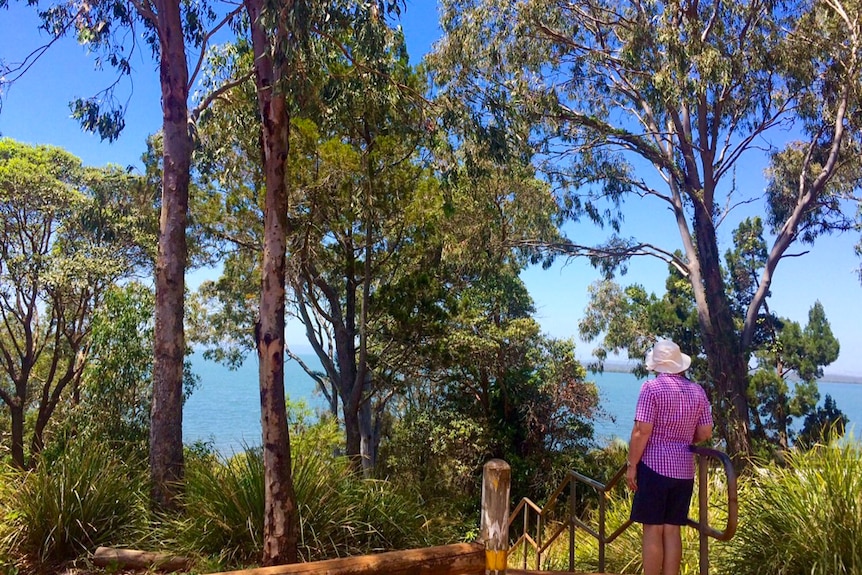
802	518
339	513
67	507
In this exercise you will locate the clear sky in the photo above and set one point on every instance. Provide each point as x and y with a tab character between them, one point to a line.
35	110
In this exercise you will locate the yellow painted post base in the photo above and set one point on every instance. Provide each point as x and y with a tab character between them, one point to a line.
495	561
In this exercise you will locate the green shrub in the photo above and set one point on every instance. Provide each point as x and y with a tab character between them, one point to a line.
339	513
802	518
68	506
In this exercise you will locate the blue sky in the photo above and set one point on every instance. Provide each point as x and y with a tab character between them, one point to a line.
35	110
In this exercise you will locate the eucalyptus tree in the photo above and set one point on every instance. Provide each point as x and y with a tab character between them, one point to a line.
112	29
788	359
361	211
67	234
599	92
286	64
367	219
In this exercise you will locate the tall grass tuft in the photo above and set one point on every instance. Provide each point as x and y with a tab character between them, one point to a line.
224	502
803	518
339	513
63	508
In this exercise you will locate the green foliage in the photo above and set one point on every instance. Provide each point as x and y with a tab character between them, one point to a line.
435	448
791	352
68	233
66	507
117	383
519	397
339	513
803	518
823	425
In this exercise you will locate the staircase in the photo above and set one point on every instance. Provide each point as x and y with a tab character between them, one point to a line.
538	532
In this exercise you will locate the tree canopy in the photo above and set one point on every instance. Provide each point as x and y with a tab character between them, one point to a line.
628	101
67	234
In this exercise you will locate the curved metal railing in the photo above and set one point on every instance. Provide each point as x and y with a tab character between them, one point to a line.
540	543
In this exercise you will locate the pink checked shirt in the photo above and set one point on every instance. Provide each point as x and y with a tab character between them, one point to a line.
675	406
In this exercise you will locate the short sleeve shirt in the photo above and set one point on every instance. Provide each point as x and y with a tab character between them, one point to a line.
676	407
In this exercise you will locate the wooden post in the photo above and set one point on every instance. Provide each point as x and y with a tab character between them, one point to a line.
496	481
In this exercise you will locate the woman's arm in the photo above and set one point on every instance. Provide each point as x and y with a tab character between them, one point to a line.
640	435
702	433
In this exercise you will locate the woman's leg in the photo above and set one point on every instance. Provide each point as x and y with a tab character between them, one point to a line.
672	547
653	549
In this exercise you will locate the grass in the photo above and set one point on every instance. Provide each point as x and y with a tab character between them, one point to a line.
805	518
802	517
339	514
63	508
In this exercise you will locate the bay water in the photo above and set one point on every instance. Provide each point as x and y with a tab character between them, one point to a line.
224	409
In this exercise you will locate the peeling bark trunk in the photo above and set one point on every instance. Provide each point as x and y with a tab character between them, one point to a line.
166	430
280	517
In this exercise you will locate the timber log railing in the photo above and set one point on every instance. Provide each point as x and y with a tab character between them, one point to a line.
538	516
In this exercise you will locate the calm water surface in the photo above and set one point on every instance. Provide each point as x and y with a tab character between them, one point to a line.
225	408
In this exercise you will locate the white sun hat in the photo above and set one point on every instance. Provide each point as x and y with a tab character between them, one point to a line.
665	357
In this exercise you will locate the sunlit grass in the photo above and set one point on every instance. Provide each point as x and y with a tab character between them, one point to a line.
805	518
339	513
67	507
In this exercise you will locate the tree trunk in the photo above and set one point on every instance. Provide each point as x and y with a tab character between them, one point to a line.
16	414
47	406
353	436
166	426
727	361
367	446
280	517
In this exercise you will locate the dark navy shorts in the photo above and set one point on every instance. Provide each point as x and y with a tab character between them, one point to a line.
661	500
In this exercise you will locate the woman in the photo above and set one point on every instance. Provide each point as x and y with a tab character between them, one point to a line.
671	414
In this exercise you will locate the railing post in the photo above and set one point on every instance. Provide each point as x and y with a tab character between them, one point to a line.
496	481
703	511
572	525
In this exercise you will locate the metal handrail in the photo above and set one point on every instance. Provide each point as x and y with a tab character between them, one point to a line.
572	522
702	524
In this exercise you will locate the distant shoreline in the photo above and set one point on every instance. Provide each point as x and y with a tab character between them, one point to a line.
622	367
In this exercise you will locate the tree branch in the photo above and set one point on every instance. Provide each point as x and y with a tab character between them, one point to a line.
206	40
